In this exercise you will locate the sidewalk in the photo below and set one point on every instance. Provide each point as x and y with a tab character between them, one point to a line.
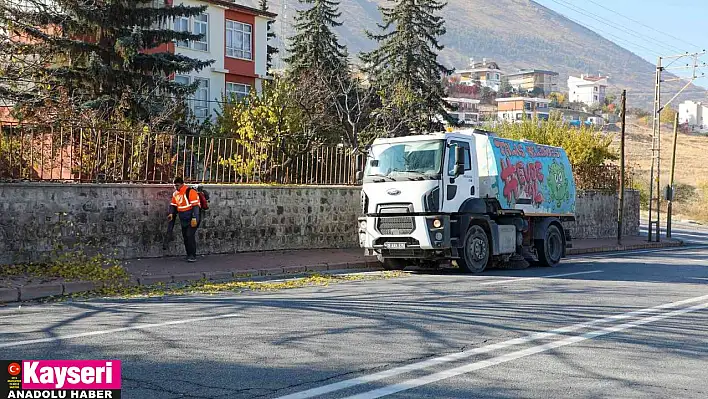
275	263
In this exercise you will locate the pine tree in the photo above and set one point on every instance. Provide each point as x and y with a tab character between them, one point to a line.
315	46
104	56
272	50
406	59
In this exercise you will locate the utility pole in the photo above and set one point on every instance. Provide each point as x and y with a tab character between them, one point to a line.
670	190
620	212
655	183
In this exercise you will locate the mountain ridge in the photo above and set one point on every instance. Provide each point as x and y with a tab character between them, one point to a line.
517	34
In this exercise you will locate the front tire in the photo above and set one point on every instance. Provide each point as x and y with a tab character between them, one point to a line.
475	253
550	249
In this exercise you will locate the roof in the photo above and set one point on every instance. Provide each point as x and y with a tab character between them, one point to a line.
533	99
528	71
479	70
239	7
462	100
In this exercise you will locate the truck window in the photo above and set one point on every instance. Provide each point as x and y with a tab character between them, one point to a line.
451	156
415	156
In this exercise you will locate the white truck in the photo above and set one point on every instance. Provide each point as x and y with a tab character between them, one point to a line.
466	197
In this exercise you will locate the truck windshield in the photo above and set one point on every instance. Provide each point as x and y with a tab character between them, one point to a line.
422	158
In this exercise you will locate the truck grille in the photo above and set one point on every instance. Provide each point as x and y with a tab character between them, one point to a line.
396	225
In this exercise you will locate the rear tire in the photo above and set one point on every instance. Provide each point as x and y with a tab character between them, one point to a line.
550	249
475	252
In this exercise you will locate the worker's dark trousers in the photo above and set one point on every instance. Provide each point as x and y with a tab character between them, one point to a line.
189	234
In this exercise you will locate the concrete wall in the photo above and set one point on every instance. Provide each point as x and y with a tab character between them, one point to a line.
130	220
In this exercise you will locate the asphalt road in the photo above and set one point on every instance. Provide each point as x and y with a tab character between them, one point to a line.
622	326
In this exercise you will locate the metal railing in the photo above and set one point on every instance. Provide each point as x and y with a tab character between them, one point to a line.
34	153
109	155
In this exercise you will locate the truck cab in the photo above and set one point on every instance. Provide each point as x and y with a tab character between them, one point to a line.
435	198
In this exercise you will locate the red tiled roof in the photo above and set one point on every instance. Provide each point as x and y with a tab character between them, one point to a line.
594	78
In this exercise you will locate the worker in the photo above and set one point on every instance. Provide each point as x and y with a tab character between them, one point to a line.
185	206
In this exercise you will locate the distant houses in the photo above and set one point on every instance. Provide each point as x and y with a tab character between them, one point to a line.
494	94
694	115
589	90
519	108
485	74
528	80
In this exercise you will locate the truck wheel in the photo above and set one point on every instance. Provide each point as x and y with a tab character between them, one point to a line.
550	249
475	253
392	264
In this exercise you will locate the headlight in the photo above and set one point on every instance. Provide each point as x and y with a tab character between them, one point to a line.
437	223
362	224
438	236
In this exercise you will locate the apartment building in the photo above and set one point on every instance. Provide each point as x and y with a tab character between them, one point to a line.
235	37
516	109
485	73
529	79
694	115
465	110
590	90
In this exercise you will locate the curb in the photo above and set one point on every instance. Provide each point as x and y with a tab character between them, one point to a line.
618	248
38	291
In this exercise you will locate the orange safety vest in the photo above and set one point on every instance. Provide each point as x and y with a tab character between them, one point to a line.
181	202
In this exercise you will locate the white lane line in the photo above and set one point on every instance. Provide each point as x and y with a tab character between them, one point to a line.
338	386
700	278
416	382
514	280
114	330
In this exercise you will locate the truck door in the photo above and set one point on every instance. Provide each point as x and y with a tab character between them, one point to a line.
460	188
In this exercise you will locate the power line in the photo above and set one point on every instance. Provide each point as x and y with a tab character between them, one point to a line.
643	24
598	18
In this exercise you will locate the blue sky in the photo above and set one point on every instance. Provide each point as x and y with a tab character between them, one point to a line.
683	24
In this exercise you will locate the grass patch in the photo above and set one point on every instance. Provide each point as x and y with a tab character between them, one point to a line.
211	288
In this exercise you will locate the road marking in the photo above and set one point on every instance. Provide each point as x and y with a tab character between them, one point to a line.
700	278
514	280
519	354
416	382
338	386
113	330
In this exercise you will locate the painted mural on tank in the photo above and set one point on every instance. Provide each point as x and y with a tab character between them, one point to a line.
533	177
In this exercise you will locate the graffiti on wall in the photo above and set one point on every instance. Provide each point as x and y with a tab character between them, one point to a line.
535	175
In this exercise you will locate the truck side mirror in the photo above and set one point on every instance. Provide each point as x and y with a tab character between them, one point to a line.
359	175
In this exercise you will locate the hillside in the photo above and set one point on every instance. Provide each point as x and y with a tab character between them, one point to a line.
515	33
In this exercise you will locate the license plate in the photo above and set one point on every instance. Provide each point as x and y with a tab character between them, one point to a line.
395	245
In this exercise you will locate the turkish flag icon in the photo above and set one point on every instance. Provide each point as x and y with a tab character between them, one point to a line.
14	369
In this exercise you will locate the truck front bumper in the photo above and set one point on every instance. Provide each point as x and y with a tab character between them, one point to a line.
404	236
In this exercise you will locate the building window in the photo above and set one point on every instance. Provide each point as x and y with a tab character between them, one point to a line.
237	91
182	25
201	99
199	103
238	40
201	27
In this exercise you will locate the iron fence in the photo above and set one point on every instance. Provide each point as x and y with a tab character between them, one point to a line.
33	153
41	153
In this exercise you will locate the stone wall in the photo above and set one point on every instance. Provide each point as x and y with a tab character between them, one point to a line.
596	215
130	220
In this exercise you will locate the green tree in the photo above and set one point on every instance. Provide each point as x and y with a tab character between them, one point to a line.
271	50
106	56
404	67
288	118
667	115
315	46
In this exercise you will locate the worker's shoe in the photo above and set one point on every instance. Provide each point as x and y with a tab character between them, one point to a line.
191	258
